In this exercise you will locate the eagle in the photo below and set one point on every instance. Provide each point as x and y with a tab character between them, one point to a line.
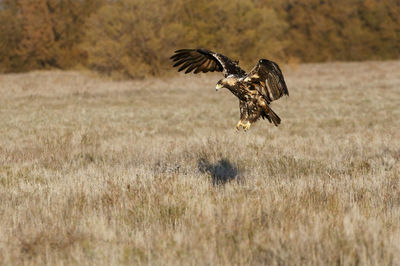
255	89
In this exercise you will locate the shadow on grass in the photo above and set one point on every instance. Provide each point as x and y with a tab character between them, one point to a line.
221	172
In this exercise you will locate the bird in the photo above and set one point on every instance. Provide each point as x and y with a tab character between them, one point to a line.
255	90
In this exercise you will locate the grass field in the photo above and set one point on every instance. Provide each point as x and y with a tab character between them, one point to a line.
96	172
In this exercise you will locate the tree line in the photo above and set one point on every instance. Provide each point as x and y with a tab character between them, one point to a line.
134	38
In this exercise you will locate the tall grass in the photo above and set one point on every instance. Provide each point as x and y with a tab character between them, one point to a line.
94	172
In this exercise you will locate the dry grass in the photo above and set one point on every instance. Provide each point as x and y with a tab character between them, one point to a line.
152	172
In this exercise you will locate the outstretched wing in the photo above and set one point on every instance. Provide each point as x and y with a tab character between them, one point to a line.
268	78
202	60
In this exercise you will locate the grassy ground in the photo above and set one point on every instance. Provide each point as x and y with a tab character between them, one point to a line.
97	172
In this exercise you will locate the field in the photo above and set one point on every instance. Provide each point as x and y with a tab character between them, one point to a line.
99	172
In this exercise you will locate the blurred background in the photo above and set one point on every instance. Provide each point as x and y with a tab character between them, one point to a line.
135	38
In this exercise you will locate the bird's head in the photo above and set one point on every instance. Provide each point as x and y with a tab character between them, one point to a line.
226	83
220	84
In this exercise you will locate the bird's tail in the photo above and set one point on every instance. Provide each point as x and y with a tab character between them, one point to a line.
271	116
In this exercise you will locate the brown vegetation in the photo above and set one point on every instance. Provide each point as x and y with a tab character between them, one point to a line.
152	172
134	38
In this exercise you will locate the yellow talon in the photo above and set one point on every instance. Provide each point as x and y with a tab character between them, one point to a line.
238	125
246	126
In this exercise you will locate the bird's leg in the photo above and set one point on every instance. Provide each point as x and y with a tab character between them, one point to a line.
238	125
246	126
244	116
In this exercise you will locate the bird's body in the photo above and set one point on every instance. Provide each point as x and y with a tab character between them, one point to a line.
255	90
252	102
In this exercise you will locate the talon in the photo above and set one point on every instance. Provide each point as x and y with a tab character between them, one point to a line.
246	126
238	125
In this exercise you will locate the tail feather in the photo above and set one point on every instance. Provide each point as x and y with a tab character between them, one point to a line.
271	116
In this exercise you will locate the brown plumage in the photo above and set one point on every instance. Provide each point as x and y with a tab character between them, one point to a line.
255	90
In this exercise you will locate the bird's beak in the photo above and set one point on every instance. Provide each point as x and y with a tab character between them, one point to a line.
219	86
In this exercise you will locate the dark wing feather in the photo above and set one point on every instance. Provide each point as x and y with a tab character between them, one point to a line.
202	60
268	78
